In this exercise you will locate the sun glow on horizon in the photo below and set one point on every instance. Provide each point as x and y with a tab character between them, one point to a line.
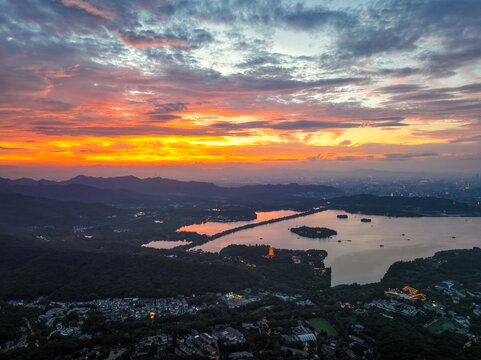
268	82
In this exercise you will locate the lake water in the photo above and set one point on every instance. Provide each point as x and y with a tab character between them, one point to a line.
211	228
361	260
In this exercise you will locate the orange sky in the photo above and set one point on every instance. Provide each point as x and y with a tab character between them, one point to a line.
85	84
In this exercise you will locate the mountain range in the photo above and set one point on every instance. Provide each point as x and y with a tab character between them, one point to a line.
131	188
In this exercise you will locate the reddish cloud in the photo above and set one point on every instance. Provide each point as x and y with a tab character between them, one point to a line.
84	5
211	82
147	39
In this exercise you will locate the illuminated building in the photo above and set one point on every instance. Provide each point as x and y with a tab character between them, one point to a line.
409	293
271	252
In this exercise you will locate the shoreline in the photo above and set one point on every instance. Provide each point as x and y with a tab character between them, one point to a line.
306	213
248	226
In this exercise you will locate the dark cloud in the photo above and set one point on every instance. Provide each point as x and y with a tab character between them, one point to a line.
147	39
315	157
311	125
178	39
362	31
412	92
54	106
261	59
298	125
14	82
163	117
65	57
471	88
3	148
388	118
445	63
307	18
200	36
406	156
168	108
398	72
388	124
350	158
467	139
400	88
453	106
432	94
212	81
58	130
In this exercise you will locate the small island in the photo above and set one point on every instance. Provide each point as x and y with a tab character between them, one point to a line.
313	232
365	220
342	216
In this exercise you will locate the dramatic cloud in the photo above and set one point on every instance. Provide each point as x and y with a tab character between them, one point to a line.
101	82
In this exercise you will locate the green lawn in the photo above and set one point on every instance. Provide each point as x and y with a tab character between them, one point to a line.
322	325
441	325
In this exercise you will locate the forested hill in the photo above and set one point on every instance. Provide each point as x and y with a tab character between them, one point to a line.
123	188
68	192
29	269
18	210
402	206
463	265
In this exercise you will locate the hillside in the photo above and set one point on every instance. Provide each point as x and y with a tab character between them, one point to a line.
29	269
18	210
68	192
402	206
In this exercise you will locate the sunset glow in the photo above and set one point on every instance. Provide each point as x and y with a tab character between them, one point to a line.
90	82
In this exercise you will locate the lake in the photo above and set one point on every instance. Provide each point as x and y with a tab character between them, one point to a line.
358	258
211	228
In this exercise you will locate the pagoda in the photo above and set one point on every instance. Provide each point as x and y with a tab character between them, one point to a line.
271	252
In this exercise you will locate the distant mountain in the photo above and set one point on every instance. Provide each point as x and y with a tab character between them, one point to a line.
161	186
150	186
67	192
129	188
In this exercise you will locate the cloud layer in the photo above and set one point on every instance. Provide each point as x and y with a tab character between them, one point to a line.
103	82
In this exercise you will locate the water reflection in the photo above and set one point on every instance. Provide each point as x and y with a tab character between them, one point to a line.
211	228
362	259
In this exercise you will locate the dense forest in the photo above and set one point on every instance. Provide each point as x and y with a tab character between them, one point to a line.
29	270
402	206
313	232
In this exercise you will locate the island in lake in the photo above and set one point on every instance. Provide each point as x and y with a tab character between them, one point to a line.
313	232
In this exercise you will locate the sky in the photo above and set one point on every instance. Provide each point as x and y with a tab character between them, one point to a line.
344	84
